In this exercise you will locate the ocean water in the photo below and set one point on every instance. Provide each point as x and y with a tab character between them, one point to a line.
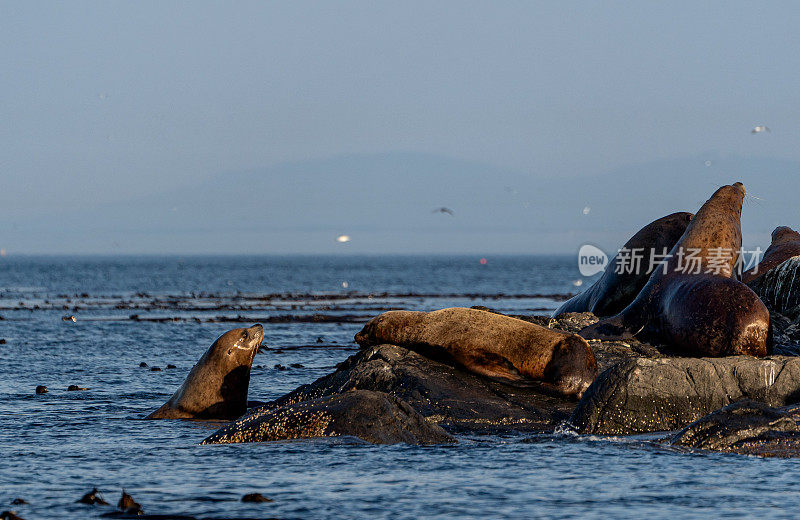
57	446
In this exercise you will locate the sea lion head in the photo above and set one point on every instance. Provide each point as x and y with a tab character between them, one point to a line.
573	367
715	230
784	234
729	197
237	347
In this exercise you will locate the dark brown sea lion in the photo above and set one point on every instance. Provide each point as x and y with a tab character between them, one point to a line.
702	314
216	387
785	244
614	291
491	345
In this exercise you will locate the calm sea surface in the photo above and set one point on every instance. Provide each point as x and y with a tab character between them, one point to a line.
57	446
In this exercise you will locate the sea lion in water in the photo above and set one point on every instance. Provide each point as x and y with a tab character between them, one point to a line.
491	345
216	387
785	245
614	291
705	314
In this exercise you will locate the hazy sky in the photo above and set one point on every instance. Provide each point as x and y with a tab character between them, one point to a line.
110	101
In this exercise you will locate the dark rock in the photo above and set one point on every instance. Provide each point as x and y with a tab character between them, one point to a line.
280	367
143	365
296	365
92	498
75	388
779	288
155	369
128	504
319	339
256	497
170	367
449	396
41	389
374	417
786	334
10	515
2	341
641	395
609	353
18	502
746	427
568	322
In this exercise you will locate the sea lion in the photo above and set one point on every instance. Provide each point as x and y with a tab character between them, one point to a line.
705	313
785	244
614	291
490	345
216	387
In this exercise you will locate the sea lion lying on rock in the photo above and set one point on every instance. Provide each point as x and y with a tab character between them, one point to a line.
374	417
618	287
216	387
491	345
693	303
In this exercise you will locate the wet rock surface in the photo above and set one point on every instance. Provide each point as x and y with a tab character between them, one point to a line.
456	399
746	427
640	395
374	417
786	334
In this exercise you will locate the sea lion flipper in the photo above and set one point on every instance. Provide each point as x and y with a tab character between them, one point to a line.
494	366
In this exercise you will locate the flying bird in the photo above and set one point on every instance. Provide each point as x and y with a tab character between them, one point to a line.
444	210
760	128
343	238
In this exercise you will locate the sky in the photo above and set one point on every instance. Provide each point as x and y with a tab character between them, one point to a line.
124	104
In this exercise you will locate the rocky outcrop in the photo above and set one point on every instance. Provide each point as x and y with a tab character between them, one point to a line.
449	396
641	394
746	427
374	417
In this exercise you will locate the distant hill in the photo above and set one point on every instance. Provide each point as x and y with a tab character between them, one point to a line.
386	203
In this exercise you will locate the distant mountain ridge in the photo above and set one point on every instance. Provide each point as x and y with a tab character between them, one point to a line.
386	203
